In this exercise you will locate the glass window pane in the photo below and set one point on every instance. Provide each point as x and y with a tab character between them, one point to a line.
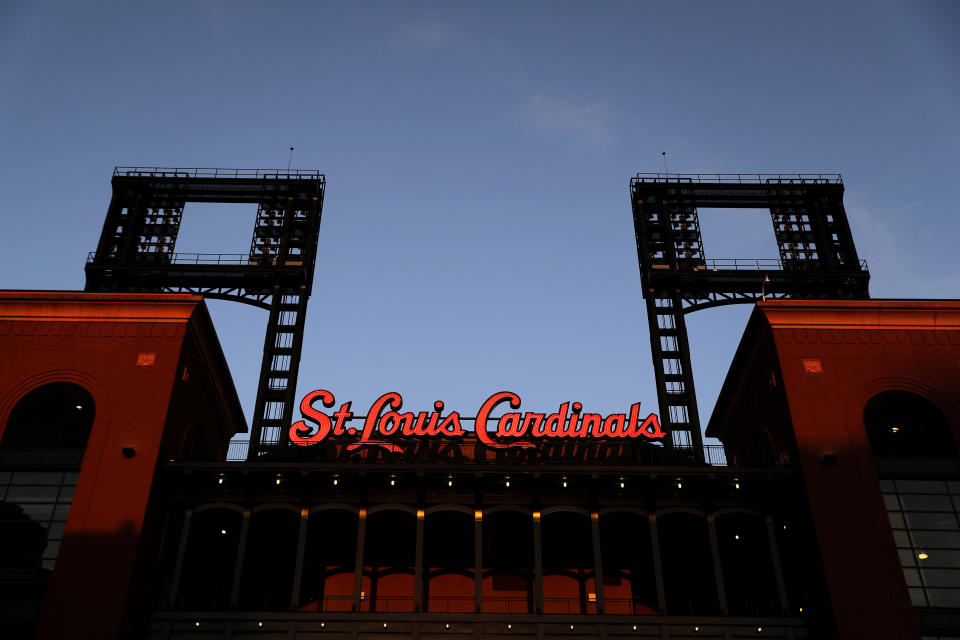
936	539
901	538
39	512
917	597
52	549
55	532
896	519
907	557
926	503
66	493
931	521
941	577
61	511
891	501
944	598
887	486
939	558
5	477
32	494
913	577
36	477
921	486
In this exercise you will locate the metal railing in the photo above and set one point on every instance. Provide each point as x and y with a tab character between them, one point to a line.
213	172
194	258
742	178
505	605
751	264
713	454
451	604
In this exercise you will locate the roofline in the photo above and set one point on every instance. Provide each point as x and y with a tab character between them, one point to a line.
896	313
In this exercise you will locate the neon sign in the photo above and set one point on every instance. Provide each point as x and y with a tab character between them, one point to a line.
510	430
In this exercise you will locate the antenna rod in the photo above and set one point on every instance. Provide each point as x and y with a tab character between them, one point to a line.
290	161
664	154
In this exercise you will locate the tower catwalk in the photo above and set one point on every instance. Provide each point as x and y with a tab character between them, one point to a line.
817	260
136	253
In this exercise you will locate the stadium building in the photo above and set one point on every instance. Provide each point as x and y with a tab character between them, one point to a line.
129	509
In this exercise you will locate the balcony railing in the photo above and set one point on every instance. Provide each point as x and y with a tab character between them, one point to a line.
742	178
713	454
213	172
466	604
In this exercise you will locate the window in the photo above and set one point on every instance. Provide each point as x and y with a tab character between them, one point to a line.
47	430
924	518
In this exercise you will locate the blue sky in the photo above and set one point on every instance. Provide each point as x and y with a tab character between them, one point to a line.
477	234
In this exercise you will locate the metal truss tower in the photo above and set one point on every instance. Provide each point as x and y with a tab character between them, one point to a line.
817	260
136	253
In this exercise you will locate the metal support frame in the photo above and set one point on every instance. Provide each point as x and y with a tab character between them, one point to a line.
817	260
136	253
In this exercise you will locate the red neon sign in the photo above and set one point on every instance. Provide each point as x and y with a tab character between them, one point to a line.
511	430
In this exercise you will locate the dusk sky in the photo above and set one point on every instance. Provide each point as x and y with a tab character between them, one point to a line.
477	235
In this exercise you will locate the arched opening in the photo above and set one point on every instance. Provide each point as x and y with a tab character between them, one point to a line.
910	436
508	562
568	575
210	559
629	584
749	580
48	430
689	581
269	560
448	545
901	424
327	581
389	555
55	418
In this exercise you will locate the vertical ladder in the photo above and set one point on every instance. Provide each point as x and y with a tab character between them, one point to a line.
676	396
276	393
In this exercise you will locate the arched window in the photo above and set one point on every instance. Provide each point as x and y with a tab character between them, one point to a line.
508	562
55	418
924	510
389	555
448	562
629	584
327	582
748	574
688	577
269	561
48	430
568	584
210	560
901	424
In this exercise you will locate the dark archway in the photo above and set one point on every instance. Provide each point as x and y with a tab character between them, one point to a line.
48	430
507	562
389	556
448	570
56	417
329	559
902	424
687	560
629	583
269	562
568	580
749	580
210	560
